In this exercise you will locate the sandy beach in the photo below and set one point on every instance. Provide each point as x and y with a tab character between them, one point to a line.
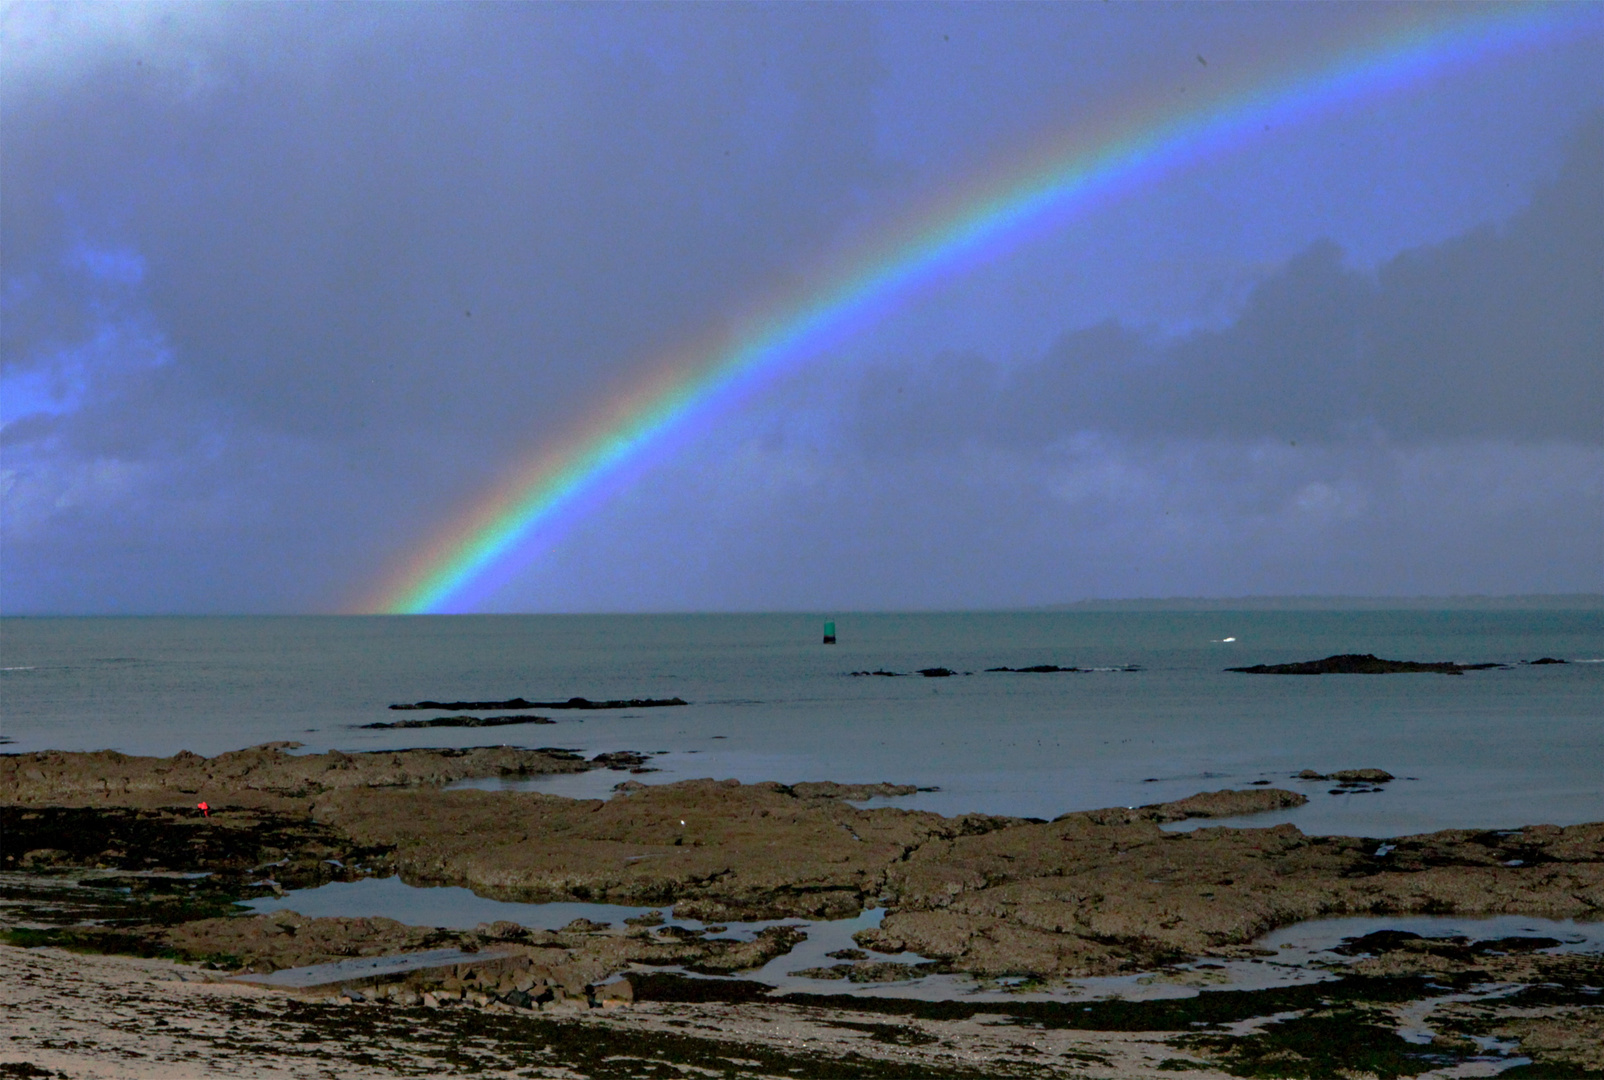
109	1016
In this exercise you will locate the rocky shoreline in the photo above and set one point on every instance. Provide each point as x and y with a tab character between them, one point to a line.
102	851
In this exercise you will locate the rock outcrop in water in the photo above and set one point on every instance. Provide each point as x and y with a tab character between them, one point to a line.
574	958
571	703
1036	669
929	673
1350	776
1362	664
1219	804
829	789
459	721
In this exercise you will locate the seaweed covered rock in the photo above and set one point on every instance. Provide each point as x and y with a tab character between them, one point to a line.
721	849
261	775
1361	664
1108	891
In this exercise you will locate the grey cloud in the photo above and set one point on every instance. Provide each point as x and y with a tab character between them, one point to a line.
319	233
389	250
751	526
907	409
1501	333
1498	334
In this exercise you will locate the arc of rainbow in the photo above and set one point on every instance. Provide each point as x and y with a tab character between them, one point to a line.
442	575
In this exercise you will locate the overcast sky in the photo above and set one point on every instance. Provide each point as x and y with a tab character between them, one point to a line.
287	287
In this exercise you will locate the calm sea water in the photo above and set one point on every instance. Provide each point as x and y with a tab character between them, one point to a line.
769	702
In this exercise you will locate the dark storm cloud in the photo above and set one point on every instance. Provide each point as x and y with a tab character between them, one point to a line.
448	203
1493	335
287	287
382	251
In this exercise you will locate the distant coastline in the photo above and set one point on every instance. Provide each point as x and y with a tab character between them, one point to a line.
1515	602
1527	602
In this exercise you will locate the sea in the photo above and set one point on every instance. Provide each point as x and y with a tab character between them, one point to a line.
1153	715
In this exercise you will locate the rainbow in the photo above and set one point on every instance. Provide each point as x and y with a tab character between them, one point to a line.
468	560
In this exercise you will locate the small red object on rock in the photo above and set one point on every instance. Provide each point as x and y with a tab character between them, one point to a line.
204	809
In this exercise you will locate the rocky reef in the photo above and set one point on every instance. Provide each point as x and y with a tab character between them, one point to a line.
570	703
1108	891
1091	892
118	848
1362	664
266	775
459	721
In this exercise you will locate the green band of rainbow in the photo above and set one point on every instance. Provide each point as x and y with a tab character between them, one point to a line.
457	570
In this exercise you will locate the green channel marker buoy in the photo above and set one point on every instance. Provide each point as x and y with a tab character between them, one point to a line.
829	633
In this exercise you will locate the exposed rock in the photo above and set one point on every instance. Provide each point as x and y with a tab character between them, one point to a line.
622	761
285	939
929	673
571	703
265	775
835	971
721	849
1362	776
585	926
571	959
1042	669
1227	803
829	789
874	971
1571	1043
1361	664
1350	776
235	846
1548	660
877	971
1105	891
461	721
619	992
1090	893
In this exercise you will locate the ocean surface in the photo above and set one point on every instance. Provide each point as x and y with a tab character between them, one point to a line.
768	701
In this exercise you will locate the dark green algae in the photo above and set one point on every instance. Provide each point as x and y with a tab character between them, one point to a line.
1322	1029
103	879
425	1042
235	845
1334	1042
1211	1008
